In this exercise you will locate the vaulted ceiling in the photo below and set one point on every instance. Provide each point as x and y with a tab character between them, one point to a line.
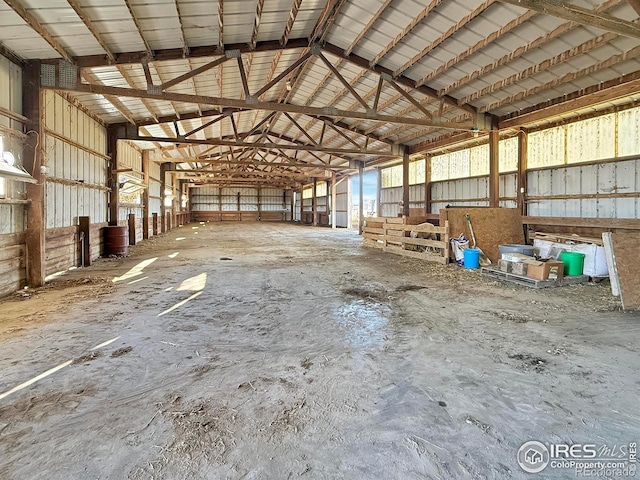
307	87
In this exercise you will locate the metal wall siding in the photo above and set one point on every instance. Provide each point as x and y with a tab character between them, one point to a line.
68	163
585	181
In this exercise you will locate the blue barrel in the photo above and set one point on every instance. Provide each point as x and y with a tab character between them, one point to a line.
471	258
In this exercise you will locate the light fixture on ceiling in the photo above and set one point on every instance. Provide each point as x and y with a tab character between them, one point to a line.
289	87
474	130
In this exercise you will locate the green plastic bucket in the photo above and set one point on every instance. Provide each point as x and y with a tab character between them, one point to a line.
573	263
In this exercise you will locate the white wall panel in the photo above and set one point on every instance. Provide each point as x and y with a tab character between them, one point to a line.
77	176
584	181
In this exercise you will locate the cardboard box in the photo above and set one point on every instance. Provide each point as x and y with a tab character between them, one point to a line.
549	270
505	266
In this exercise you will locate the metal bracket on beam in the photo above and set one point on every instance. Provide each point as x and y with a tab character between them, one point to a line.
331	111
315	49
397	149
251	99
386	77
154	89
234	53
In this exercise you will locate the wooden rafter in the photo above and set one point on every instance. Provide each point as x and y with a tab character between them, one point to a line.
131	83
478	46
446	35
370	23
91	27
185	46
583	16
543	66
112	99
256	23
569	77
405	31
18	8
284	74
193	72
518	52
243	77
205	125
346	84
402	80
326	20
173	105
221	25
295	8
136	22
302	130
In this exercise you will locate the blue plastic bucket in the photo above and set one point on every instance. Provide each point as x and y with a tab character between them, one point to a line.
471	258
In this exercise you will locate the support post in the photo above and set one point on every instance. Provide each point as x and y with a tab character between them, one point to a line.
301	208
115	132
132	229
405	182
427	186
155	223
522	171
334	207
174	202
259	203
145	195
494	166
163	188
314	203
379	193
84	227
33	161
361	197
293	205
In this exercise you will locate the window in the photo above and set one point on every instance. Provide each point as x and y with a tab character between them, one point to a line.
321	189
307	192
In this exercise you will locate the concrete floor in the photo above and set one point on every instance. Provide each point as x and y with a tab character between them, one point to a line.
278	351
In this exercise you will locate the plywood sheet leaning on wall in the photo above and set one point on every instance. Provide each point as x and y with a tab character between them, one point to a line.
626	247
492	227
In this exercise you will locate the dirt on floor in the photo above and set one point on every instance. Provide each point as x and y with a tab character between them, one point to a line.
274	351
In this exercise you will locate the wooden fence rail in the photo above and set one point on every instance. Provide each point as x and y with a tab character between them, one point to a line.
394	235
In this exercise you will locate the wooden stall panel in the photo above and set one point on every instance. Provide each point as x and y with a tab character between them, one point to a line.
626	246
12	262
492	227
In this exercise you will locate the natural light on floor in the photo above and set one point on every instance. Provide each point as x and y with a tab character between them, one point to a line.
135	271
192	284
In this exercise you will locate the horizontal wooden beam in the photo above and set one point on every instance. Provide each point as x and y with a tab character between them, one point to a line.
251	163
268	145
625	224
255	105
580	15
194	52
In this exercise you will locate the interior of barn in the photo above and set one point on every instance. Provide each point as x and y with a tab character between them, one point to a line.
195	283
